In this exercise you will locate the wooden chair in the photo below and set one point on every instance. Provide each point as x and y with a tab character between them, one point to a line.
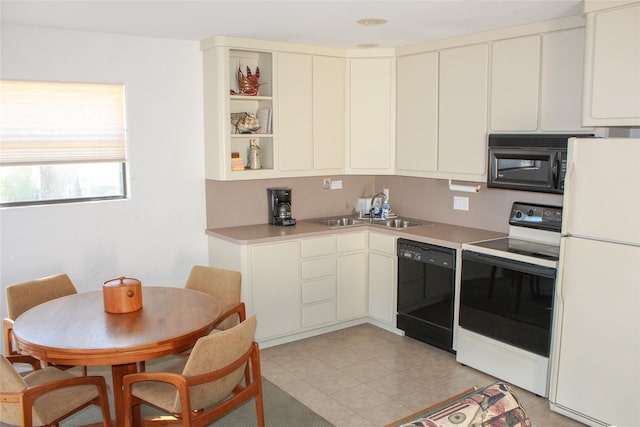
224	286
46	396
23	296
221	373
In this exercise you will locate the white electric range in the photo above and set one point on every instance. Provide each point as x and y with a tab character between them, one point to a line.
507	296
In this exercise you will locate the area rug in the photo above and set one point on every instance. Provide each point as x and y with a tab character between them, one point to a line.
280	409
491	406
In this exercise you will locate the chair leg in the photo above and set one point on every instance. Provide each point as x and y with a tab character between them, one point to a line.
103	402
257	378
260	405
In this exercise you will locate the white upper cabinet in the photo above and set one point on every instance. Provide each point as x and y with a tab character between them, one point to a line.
515	76
536	83
612	67
311	113
371	115
301	107
295	111
462	122
562	79
422	110
417	113
329	113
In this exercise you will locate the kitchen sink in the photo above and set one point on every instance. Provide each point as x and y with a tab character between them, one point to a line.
339	222
399	223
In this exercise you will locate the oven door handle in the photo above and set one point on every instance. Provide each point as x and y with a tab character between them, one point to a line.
523	267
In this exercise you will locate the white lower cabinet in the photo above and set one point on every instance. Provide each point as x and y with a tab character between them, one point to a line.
352	286
299	285
275	281
318	285
352	275
383	278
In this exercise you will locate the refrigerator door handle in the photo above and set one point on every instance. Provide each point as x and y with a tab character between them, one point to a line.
569	184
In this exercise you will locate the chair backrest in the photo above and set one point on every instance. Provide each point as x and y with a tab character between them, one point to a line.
223	285
213	352
10	381
23	296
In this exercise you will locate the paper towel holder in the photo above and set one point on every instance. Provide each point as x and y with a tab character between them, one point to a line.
463	188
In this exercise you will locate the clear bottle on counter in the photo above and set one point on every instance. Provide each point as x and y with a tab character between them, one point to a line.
386	209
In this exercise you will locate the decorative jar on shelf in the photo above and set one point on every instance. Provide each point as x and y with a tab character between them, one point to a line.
255	161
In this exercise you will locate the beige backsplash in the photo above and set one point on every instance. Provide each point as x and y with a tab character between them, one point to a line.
245	202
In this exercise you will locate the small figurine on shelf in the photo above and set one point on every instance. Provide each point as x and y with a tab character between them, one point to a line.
249	85
245	122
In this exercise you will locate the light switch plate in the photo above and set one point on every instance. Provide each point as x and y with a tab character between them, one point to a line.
336	184
460	203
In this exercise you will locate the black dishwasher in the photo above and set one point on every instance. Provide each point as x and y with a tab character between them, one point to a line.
426	280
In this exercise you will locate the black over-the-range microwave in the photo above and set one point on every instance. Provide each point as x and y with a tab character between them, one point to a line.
531	162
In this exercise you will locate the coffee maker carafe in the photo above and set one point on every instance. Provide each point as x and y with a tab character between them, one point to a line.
280	206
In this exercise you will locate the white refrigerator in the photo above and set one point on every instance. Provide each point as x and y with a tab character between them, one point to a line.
595	362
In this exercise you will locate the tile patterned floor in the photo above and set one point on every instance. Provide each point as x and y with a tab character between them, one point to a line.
366	376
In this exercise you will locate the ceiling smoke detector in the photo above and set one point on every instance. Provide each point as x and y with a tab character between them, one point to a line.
368	45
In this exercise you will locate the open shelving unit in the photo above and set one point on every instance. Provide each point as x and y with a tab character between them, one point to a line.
258	105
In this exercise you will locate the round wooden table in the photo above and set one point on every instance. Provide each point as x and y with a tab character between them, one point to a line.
75	330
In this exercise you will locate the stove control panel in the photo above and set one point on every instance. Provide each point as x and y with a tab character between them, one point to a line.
543	217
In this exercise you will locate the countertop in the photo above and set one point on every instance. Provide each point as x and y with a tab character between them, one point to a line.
452	236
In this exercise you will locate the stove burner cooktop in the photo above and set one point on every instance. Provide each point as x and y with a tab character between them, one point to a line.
523	247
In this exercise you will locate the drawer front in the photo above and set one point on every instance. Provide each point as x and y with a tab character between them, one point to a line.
318	268
318	290
382	243
318	246
318	314
351	242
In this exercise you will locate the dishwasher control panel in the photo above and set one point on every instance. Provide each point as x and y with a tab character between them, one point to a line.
426	253
410	252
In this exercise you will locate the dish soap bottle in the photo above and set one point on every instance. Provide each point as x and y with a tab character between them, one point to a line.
386	208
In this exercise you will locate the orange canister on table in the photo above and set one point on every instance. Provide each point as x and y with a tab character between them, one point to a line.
122	295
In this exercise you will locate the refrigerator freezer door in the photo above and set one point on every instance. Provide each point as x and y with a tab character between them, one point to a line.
602	189
596	356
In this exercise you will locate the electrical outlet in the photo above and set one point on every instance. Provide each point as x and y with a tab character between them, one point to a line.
460	203
326	183
336	185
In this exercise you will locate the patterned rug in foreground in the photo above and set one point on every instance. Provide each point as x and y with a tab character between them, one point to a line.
491	406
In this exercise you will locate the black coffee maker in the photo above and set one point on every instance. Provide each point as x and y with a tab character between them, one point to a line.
280	206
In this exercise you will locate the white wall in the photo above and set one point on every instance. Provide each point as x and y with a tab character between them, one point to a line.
158	234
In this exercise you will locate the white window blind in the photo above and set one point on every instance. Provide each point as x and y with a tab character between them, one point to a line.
55	123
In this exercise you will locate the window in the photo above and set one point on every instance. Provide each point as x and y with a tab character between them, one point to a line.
61	142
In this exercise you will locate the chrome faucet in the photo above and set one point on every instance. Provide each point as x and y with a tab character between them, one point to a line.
382	197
